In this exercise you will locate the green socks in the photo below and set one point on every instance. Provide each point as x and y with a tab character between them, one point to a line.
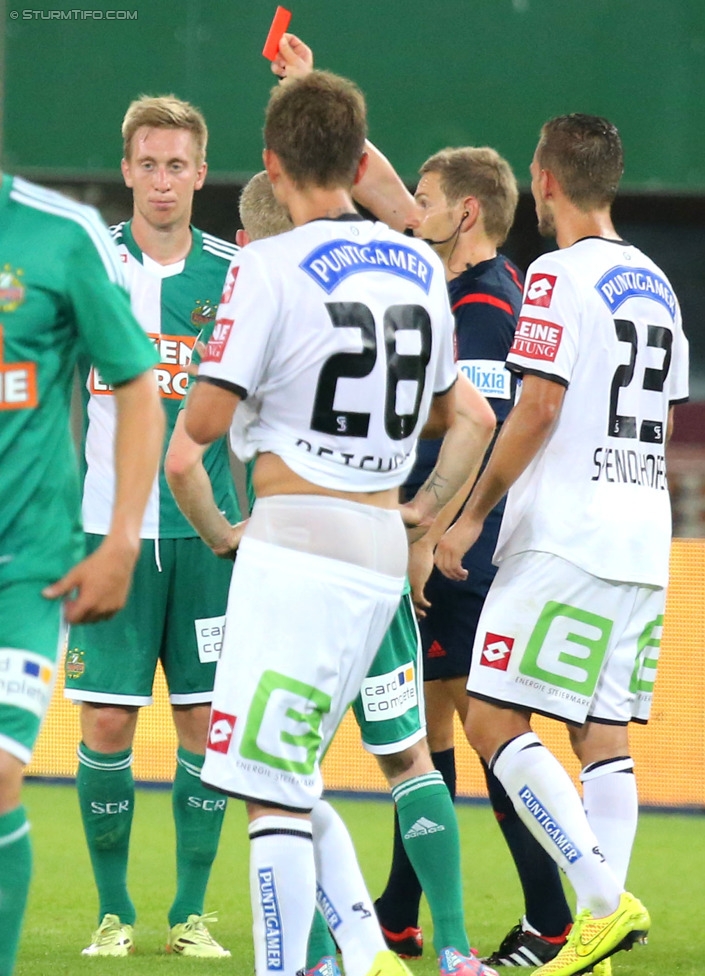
429	830
320	942
106	795
198	816
15	872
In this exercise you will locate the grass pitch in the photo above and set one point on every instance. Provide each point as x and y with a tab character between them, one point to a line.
668	872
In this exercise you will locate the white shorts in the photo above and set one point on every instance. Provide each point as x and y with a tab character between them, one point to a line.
301	633
554	639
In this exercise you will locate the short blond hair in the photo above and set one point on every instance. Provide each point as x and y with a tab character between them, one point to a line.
164	112
261	214
478	171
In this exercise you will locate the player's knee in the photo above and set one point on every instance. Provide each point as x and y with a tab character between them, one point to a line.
481	738
109	728
413	761
191	723
597	742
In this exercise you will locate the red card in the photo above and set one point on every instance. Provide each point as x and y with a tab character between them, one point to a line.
279	26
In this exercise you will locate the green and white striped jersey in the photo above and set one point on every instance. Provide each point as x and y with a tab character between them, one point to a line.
176	305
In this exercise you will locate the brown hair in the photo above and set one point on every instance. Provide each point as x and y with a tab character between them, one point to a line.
317	126
261	214
164	112
584	152
478	171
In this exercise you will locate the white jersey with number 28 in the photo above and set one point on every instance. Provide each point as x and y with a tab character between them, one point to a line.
338	334
602	319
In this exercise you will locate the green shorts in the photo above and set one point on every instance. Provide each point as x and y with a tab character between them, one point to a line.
175	614
32	634
390	706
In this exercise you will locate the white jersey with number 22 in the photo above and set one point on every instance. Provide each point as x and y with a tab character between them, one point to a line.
601	319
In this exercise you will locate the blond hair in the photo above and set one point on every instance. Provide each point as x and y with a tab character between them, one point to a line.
261	215
480	172
164	112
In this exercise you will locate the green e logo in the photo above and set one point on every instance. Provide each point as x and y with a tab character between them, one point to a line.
283	727
564	657
644	673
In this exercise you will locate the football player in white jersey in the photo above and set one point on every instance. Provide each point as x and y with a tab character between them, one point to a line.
464	206
394	733
332	347
572	623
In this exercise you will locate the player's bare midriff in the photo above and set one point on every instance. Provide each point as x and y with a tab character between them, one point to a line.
272	476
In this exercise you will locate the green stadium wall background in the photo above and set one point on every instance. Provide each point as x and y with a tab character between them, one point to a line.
451	72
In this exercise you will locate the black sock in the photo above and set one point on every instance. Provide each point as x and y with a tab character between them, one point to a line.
546	908
445	764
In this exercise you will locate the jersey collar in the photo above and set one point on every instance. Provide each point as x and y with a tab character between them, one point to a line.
607	240
192	256
340	219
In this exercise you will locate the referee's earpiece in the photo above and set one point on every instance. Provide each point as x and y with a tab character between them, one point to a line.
466	214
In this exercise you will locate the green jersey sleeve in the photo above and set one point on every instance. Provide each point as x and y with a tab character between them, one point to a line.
109	333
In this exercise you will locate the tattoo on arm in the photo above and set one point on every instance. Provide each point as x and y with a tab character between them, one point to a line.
435	484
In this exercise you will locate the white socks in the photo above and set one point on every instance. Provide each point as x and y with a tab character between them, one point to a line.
612	808
342	893
548	803
282	890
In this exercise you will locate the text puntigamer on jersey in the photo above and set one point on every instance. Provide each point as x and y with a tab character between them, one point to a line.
335	260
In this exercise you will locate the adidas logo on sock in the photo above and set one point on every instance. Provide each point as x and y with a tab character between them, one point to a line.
422	827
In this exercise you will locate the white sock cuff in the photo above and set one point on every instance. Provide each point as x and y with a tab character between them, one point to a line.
409	786
107	760
290	826
512	748
12	838
619	764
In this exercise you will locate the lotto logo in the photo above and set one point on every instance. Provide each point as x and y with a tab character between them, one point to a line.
496	651
221	731
539	291
536	339
218	340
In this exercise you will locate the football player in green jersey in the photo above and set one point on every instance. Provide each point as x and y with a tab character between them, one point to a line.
175	612
61	287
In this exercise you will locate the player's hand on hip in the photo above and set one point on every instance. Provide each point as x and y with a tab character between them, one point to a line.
420	567
416	522
229	546
453	546
294	59
97	587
